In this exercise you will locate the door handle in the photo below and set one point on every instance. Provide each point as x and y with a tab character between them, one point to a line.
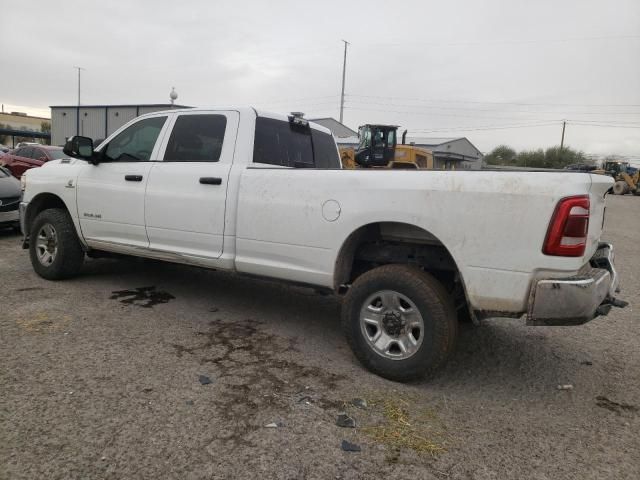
211	180
133	178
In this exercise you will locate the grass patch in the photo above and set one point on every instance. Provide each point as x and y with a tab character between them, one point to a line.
400	430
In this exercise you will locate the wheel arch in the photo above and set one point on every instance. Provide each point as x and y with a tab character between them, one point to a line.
43	201
395	242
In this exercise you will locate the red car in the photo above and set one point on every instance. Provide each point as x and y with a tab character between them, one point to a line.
30	156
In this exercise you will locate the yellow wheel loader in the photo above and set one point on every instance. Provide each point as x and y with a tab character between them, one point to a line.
378	148
627	178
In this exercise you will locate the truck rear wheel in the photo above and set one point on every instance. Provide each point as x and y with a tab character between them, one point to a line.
54	247
400	322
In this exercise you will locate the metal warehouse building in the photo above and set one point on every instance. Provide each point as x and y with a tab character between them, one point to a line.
96	121
457	153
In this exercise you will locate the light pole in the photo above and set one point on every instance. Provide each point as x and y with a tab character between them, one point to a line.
344	73
78	108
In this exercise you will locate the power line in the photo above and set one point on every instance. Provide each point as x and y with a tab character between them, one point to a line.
294	100
436	114
433	100
485	127
447	107
633	124
603	125
505	42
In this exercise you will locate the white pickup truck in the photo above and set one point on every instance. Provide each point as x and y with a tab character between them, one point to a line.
263	194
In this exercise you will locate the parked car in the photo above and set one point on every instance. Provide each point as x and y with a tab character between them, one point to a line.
26	144
9	200
263	194
30	156
581	167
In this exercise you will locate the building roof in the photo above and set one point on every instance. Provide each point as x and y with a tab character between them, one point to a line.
339	130
143	105
23	115
432	141
354	140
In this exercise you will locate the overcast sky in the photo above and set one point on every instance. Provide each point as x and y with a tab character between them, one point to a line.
454	68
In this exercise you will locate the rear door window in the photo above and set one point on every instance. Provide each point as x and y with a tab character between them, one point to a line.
196	138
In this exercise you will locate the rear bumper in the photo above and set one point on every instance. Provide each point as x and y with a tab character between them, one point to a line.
576	300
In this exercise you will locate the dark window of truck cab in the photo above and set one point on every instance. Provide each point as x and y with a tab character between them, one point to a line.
325	151
278	142
136	142
196	138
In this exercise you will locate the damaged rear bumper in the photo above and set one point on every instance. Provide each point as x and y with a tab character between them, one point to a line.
580	298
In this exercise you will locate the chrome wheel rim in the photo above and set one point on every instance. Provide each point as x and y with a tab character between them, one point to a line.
392	325
47	245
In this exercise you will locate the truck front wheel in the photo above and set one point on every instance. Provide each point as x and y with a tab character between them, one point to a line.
54	247
400	322
620	188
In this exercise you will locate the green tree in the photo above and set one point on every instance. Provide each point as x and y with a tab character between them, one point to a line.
45	127
501	155
530	158
556	157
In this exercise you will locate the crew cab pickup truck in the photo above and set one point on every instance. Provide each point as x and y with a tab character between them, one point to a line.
263	194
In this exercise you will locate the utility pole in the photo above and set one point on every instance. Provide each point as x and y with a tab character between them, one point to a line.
344	73
564	123
78	108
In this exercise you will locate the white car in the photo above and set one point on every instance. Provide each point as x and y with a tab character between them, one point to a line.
226	189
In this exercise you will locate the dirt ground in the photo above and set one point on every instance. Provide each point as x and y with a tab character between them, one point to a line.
100	377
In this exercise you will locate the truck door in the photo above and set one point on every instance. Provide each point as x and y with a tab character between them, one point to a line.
111	194
187	190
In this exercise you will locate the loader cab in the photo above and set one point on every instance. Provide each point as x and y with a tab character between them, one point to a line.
377	145
614	168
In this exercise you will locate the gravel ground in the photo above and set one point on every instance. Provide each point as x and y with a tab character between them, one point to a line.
100	378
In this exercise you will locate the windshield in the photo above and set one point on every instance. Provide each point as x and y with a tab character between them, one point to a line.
56	154
365	138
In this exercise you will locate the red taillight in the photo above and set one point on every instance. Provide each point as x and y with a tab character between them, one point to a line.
567	233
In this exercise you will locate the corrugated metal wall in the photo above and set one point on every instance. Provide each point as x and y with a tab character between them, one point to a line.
95	122
63	124
118	116
92	122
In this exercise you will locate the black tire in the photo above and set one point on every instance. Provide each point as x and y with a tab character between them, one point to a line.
434	305
620	188
69	255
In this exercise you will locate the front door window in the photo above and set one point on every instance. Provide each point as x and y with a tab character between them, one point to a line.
136	142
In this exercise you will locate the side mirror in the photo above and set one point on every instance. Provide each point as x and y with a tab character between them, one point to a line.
79	147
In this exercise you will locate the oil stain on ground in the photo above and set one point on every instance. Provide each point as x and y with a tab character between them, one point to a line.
253	377
604	402
145	297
